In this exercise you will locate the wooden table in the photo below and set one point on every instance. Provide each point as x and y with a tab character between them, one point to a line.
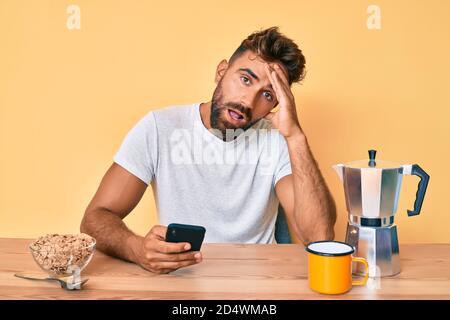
228	271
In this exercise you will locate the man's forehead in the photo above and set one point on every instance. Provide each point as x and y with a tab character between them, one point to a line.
253	61
248	59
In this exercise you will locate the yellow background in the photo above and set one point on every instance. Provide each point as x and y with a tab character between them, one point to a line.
68	97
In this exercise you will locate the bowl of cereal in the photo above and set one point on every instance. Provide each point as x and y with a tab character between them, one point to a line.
63	255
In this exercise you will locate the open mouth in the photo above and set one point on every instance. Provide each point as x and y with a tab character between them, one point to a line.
236	115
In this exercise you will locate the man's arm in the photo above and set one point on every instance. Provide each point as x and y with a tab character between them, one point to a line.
304	195
305	198
119	192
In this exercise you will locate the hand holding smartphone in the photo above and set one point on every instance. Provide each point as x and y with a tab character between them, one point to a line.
166	249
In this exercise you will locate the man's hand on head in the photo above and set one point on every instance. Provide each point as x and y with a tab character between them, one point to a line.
154	254
285	119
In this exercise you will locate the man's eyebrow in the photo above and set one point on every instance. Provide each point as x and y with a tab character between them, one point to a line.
250	72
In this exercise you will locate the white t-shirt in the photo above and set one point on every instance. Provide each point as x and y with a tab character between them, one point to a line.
197	178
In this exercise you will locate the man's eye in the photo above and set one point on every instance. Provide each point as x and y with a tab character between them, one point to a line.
245	80
268	96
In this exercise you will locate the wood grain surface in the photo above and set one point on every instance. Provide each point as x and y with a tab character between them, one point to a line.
228	271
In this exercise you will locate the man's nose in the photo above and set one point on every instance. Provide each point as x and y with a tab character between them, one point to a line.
248	100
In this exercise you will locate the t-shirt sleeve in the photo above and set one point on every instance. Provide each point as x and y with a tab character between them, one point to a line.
283	166
138	151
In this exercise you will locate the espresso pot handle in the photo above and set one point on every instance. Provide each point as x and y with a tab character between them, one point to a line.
416	170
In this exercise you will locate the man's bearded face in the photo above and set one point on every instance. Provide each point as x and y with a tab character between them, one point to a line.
229	115
243	95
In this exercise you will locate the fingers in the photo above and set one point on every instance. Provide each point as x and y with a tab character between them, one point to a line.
273	81
166	267
158	262
282	80
158	232
155	242
282	74
162	257
165	263
176	265
168	247
173	257
281	86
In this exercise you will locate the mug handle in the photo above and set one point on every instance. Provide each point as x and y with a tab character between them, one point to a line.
366	275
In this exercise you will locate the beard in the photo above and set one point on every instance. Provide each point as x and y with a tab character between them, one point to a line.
225	129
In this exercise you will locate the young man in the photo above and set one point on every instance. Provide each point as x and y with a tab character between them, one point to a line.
225	164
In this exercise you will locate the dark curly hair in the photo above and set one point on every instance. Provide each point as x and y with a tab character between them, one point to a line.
273	46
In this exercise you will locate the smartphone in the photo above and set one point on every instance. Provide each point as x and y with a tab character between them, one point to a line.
177	232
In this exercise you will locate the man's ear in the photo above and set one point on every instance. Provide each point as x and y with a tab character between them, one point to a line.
221	69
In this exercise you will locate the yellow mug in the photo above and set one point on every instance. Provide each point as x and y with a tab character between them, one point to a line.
330	267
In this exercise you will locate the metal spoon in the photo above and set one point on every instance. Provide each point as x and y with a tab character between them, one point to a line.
67	285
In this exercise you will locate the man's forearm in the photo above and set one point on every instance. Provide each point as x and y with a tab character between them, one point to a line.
112	235
314	207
